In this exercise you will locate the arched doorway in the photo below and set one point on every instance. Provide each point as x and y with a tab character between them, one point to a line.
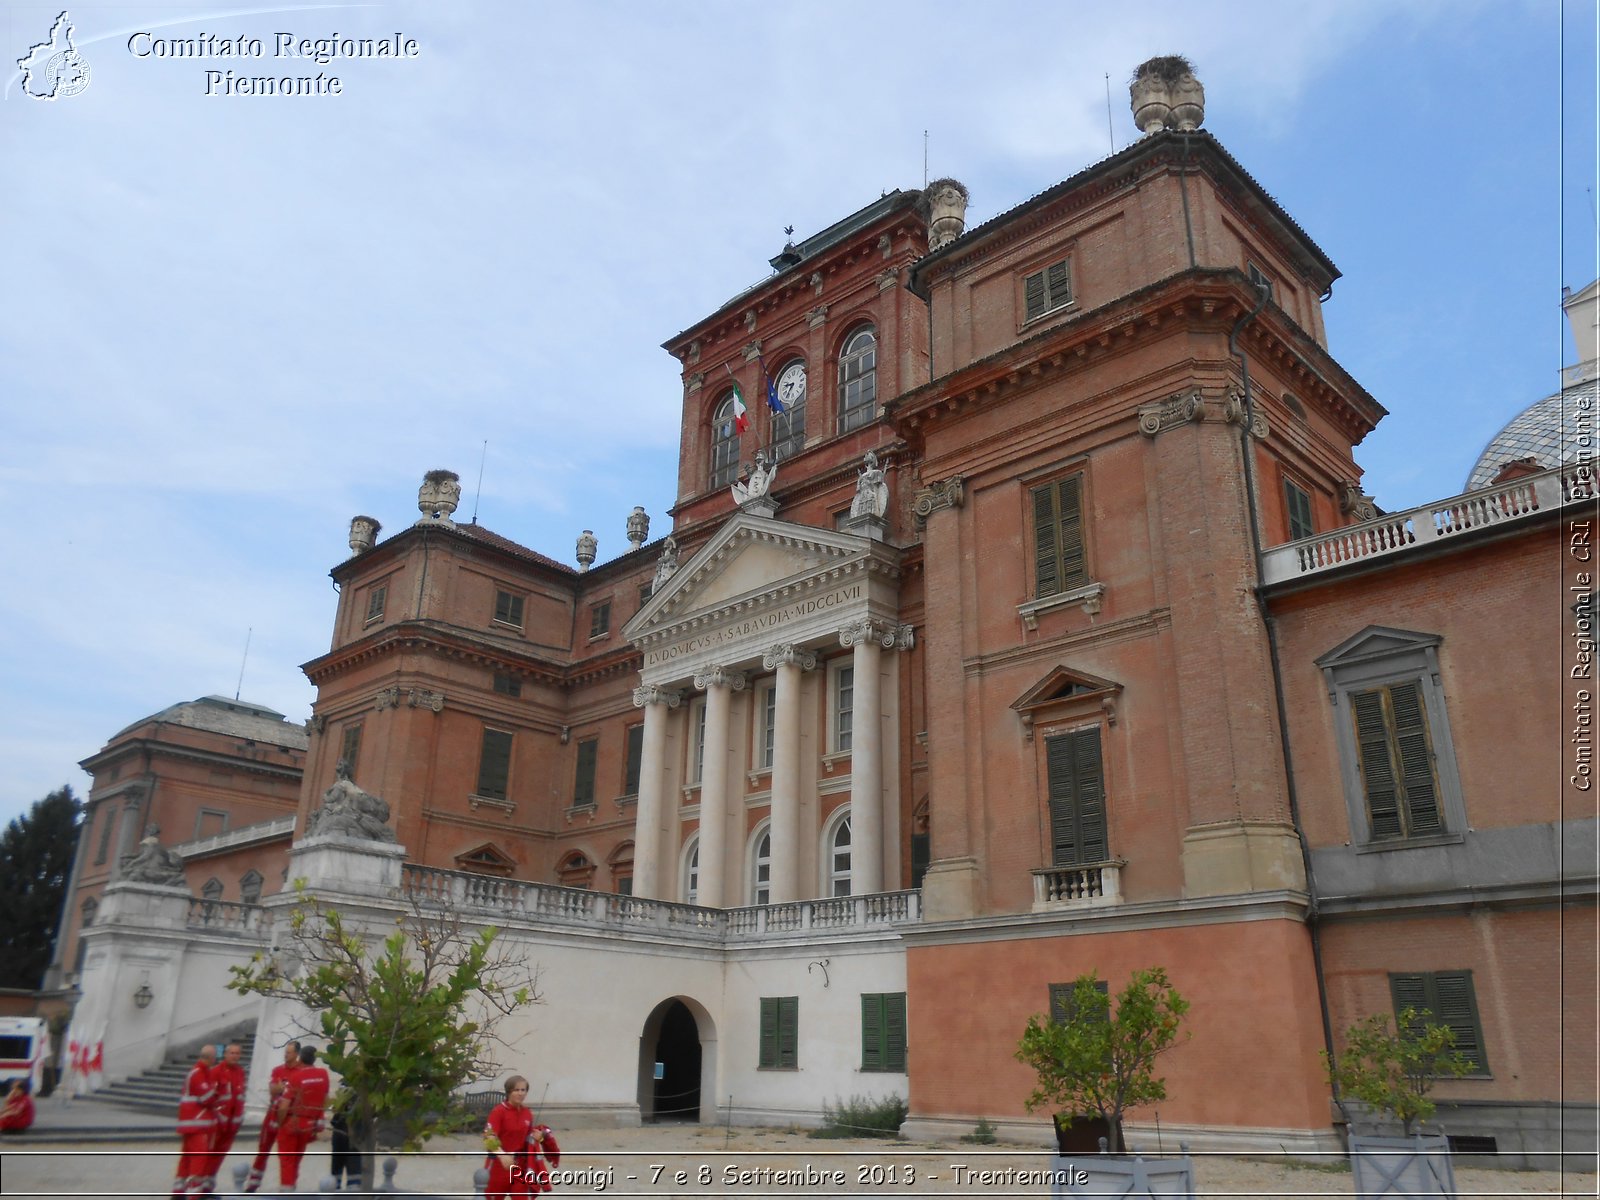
676	1051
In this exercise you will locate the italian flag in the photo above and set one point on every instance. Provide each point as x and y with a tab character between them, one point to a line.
741	418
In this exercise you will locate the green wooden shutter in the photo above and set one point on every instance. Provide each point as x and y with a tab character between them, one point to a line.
1456	1007
1070	538
1377	768
1046	553
1415	753
583	785
769	1033
789	1032
1063	826
494	764
1056	284
894	1031
1033	295
871	1032
1077	798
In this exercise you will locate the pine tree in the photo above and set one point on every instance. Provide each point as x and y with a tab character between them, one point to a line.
36	852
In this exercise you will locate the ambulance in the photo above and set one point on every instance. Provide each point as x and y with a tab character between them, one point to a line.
24	1047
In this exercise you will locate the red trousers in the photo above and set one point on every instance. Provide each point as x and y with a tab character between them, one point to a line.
291	1149
221	1143
501	1183
192	1161
269	1135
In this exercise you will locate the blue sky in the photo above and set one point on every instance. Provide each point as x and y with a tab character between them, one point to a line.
234	322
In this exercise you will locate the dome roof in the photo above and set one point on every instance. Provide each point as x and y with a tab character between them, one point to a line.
1558	429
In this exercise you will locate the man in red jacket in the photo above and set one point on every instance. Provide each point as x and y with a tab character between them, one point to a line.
304	1101
229	1078
197	1122
269	1123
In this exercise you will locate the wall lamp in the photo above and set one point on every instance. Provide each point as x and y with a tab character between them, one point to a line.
142	997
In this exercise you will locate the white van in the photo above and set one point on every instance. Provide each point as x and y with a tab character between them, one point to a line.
24	1047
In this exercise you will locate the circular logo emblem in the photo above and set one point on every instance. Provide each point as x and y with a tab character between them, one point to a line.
67	73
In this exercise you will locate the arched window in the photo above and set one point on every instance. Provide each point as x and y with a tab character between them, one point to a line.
250	887
858	380
691	872
576	871
724	444
761	868
212	889
836	855
789	426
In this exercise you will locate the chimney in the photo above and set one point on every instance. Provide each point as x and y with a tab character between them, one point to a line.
363	533
1164	94
587	543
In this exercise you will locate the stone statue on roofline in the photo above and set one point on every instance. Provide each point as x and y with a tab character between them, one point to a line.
154	863
348	811
762	473
872	490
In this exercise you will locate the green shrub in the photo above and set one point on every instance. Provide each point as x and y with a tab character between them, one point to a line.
1393	1072
983	1133
860	1117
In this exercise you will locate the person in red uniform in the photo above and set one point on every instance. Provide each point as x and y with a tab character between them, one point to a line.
197	1122
305	1099
17	1114
229	1078
269	1123
521	1151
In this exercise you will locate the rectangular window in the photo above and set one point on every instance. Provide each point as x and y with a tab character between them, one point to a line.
630	782
350	747
766	737
1396	759
1297	503
494	764
1077	799
1063	1005
780	1033
1448	996
844	693
108	812
697	752
375	602
1259	278
507	685
600	620
1059	561
208	822
583	784
646	590
507	609
883	1031
1047	290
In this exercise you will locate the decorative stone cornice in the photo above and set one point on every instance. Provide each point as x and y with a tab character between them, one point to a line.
788	654
651	694
719	676
948	493
1169	413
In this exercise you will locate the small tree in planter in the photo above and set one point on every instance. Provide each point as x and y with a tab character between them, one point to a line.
1392	1073
1093	1061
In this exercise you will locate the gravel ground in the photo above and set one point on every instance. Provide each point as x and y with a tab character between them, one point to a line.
648	1162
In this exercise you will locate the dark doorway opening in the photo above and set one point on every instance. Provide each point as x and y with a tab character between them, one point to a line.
677	1089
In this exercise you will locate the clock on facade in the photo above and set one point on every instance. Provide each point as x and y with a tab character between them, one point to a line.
792	385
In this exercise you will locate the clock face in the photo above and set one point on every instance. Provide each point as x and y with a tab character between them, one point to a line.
792	385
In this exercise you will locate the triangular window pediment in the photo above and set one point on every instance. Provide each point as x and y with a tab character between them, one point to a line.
1065	694
1377	641
487	859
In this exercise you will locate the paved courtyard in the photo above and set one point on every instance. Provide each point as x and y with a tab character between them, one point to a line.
694	1161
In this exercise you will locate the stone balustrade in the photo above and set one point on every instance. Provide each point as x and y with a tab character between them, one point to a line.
228	916
542	903
1518	500
1077	886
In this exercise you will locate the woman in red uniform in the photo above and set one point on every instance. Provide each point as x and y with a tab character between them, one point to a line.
521	1151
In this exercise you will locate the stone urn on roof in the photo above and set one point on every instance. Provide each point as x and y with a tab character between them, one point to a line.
1165	94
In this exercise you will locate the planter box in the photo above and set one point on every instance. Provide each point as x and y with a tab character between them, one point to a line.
1136	1178
1401	1166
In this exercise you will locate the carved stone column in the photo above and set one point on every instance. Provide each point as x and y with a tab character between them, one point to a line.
719	683
647	819
869	638
788	662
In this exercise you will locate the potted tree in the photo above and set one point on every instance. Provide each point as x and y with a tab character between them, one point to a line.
1095	1059
1391	1073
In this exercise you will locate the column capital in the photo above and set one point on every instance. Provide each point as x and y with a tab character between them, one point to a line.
726	677
871	629
947	493
651	694
788	654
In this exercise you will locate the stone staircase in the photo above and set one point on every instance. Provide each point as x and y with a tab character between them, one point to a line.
156	1091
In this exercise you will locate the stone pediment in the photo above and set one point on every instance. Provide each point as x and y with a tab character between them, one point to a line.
1376	641
1064	694
763	581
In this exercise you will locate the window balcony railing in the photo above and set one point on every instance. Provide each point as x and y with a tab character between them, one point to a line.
1394	533
1084	886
